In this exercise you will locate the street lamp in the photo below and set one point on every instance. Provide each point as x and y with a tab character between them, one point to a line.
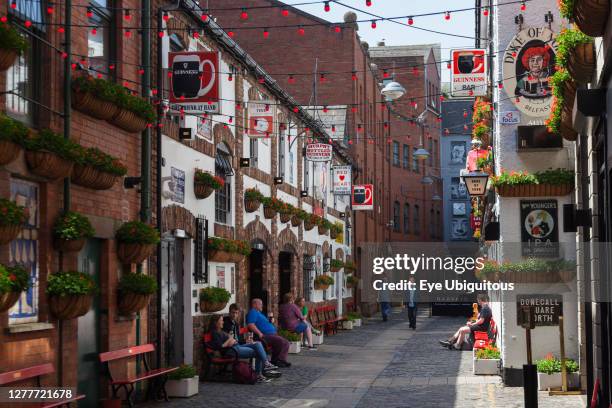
421	154
426	180
476	183
393	90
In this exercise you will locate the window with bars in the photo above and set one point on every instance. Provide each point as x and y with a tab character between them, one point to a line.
396	159
416	220
415	160
396	216
223	196
406	156
406	218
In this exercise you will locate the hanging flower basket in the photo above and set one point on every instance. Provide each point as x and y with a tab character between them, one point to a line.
581	62
90	177
269	212
321	286
128	121
295	221
134	253
218	255
9	233
534	190
48	165
251	205
591	16
66	307
69	245
322	230
204	183
202	190
211	307
7	58
285	217
9	151
569	93
8	299
308	225
130	302
567	131
333	234
93	106
12	44
213	299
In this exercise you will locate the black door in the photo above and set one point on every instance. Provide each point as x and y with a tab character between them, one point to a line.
284	270
88	331
256	283
172	302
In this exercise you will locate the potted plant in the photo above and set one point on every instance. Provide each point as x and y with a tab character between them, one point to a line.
322	282
13	281
252	200
324	226
591	16
576	53
481	131
12	217
355	318
97	170
50	155
11	45
310	221
204	183
299	217
135	113
293	339
335	230
286	212
13	135
549	373
183	382
271	206
227	250
487	361
485	163
213	299
70	231
95	97
351	280
335	265
136	241
134	291
69	294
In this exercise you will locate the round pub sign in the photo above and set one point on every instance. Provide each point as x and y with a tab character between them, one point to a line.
529	63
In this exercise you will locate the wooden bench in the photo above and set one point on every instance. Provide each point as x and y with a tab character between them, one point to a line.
158	375
214	359
37	371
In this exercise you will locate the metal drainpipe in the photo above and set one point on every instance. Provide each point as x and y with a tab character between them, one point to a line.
158	187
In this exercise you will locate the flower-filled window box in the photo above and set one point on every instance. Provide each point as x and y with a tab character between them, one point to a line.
97	170
487	361
134	292
13	281
213	299
576	52
70	294
13	135
136	242
12	217
547	183
204	183
70	231
227	250
11	45
50	155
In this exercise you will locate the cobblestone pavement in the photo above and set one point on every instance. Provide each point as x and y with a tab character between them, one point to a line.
384	365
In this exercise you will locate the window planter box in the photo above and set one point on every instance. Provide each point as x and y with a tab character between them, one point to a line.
93	106
294	347
48	165
130	302
8	299
9	233
317	339
184	388
548	381
591	16
90	177
9	151
134	253
217	255
69	306
308	225
581	62
534	190
486	366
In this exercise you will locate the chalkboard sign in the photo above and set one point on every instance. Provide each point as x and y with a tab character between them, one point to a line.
544	309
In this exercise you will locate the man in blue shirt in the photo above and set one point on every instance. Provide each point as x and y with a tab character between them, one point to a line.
259	324
411	303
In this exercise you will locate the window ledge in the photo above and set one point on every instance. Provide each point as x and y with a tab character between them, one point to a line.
29	327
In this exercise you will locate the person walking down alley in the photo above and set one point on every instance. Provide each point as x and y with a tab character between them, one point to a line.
384	298
411	303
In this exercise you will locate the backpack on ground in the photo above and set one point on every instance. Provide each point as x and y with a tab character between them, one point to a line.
242	373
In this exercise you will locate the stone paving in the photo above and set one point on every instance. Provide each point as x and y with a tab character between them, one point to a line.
377	365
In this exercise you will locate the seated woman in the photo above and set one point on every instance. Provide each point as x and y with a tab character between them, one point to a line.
455	342
290	318
301	304
224	343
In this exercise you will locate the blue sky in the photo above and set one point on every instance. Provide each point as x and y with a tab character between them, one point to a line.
460	23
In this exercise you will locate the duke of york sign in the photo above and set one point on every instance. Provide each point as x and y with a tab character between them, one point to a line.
529	63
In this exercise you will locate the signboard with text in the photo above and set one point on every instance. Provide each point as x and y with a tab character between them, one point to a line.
510	118
363	197
469	72
539	228
318	152
194	81
544	309
261	119
342	180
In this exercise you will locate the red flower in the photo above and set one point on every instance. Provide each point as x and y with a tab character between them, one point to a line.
12	277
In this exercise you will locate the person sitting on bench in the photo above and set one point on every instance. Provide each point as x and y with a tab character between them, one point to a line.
301	303
259	324
231	325
482	324
290	318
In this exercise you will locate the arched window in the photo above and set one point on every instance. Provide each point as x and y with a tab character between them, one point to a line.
406	218
223	196
396	216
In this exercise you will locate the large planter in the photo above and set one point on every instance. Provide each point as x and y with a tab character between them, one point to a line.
308	225
294	347
93	106
347	325
581	62
296	221
251	205
69	306
484	366
7	58
130	302
128	121
134	253
322	230
202	190
534	190
48	165
317	339
269	213
211	307
69	245
9	233
183	388
285	217
549	381
8	299
591	16
90	177
9	151
357	323
217	255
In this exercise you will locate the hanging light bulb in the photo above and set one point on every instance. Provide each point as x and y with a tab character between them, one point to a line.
523	6
448	65
325	108
285	12
231	119
230	34
373	25
301	30
61	30
196	34
354	76
326	7
267	107
230	77
359	127
386	125
50	9
127	16
500	85
3	19
296	109
465	114
368	3
128	33
94	31
385	73
141	71
322	78
415	71
13	4
338	29
333	128
166	16
291	79
160	34
485	12
244	15
410	21
447	15
266	33
204	17
354	108
471	92
89	12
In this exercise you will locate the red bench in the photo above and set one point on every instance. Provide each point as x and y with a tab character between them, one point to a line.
214	359
483	339
157	375
37	371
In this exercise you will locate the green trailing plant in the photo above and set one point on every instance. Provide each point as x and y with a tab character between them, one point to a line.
349	266
488	353
11	213
302	215
138	283
253	194
10	39
352	280
208	179
483	162
314	219
566	7
557	81
480	129
551	176
555	176
14	279
214	294
12	130
528	266
272	203
137	105
324	280
551	365
336	263
326	224
289	336
49	141
184	371
70	283
567	41
72	225
286	208
229	245
482	110
337	228
101	161
137	232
